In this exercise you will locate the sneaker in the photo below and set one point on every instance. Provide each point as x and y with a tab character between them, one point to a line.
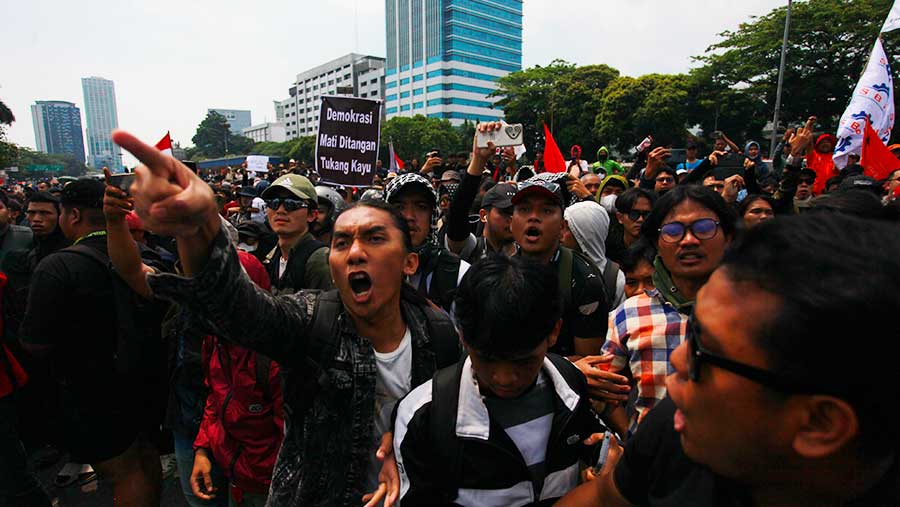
169	464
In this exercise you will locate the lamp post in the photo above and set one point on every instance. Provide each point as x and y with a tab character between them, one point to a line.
787	27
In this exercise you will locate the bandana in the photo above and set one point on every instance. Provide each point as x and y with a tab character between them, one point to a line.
397	184
559	179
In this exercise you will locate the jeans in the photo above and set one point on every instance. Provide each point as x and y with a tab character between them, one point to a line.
184	454
18	485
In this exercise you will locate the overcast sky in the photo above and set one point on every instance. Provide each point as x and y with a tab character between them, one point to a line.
171	60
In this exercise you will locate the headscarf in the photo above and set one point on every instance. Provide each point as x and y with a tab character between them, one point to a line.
401	181
589	224
762	169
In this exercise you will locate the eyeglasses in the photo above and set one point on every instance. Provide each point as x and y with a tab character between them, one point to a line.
634	215
697	355
289	204
667	179
702	229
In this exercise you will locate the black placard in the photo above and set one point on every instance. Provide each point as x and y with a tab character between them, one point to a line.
347	141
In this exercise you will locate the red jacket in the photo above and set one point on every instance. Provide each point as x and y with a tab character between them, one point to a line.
243	423
12	376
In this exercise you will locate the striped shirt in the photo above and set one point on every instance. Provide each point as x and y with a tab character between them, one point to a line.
527	421
642	334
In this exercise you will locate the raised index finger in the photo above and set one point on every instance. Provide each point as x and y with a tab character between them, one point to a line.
151	157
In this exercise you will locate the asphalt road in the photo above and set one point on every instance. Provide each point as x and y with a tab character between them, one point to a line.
101	495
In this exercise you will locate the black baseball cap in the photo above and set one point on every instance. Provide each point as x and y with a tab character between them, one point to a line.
86	192
499	196
860	182
537	186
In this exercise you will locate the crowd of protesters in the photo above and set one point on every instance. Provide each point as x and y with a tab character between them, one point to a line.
474	330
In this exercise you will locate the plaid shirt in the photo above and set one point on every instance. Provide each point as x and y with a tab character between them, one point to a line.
643	332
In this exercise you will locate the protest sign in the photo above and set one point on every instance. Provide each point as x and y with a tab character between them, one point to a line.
347	141
257	163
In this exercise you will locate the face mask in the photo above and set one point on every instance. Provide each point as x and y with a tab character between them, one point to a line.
609	202
247	248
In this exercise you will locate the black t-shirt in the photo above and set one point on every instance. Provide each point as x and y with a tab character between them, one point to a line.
587	314
654	471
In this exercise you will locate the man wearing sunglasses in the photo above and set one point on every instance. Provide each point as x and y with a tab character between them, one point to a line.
299	261
758	414
691	226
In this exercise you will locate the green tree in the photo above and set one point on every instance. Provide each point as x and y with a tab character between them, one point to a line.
303	149
7	150
632	108
828	46
413	137
71	165
213	139
563	96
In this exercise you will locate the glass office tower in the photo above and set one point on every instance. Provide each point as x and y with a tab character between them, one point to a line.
444	57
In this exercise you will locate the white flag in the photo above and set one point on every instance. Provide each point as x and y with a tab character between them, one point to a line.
893	19
873	97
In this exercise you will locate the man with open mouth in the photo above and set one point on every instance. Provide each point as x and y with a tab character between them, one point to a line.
348	354
439	270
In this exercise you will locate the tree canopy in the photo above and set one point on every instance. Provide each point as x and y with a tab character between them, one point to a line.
214	139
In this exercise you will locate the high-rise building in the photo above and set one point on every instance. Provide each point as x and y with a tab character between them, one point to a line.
444	57
238	119
354	75
57	128
102	117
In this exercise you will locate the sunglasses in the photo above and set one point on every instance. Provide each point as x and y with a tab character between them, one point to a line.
697	355
634	215
703	229
289	204
667	179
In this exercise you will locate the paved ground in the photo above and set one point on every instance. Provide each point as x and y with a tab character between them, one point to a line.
99	494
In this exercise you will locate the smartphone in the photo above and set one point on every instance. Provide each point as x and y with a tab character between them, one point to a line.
731	161
601	453
508	135
678	156
122	181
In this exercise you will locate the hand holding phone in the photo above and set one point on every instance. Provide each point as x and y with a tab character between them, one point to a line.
122	181
601	453
507	135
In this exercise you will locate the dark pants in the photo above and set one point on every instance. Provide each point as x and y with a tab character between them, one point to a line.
18	485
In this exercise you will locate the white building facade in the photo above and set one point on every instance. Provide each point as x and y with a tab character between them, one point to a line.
353	75
266	132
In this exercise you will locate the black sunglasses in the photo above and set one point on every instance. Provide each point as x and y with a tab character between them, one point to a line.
697	355
702	229
634	214
289	204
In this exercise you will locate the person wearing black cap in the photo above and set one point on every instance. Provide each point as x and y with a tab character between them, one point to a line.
537	226
252	207
495	212
104	415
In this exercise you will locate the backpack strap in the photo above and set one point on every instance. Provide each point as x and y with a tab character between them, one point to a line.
442	422
566	261
324	341
444	337
444	279
610	277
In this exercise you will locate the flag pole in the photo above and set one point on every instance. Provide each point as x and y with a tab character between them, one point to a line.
787	27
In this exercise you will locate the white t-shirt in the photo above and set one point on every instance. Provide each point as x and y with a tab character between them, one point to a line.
393	380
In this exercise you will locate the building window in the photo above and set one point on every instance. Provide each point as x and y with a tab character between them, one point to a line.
374	93
347	76
374	81
363	95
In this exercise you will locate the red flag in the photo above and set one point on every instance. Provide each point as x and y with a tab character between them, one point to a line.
877	161
395	164
165	145
553	159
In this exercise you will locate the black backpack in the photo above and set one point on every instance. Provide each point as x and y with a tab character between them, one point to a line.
137	320
324	340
